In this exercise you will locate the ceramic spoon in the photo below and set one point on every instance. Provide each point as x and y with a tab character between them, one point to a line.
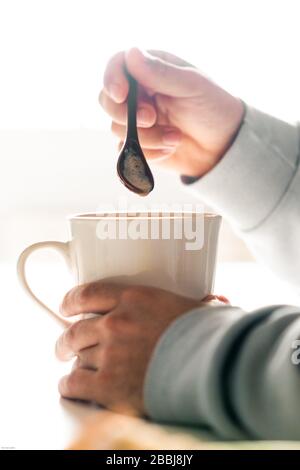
132	166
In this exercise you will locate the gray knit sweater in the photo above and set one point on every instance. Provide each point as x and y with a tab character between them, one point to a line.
238	373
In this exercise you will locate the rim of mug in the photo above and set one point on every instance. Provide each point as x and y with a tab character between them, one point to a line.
140	215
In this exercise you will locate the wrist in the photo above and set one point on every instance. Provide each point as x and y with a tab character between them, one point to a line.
235	114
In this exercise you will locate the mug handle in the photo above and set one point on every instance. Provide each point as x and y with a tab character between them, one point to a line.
62	249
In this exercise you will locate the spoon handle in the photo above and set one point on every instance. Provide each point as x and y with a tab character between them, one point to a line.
131	108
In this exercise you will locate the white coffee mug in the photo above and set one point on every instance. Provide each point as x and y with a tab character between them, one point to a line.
176	252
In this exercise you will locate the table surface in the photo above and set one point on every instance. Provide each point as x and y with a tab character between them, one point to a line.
32	415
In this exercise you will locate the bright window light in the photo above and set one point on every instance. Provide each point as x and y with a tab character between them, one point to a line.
53	52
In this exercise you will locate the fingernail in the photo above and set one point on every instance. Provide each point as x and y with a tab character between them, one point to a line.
171	137
222	298
144	116
116	92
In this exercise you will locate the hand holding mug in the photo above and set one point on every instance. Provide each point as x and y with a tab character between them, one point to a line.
113	349
128	292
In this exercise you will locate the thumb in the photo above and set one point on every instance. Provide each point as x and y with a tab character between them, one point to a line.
161	76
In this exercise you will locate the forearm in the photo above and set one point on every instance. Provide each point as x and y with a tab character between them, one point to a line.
228	370
256	186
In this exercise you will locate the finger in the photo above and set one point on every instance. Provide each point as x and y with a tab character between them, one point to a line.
117	111
79	335
216	299
158	155
156	137
94	297
223	299
146	114
168	57
115	81
161	76
79	384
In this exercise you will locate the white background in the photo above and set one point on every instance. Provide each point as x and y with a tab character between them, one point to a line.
53	52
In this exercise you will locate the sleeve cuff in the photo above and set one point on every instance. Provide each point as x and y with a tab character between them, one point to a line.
254	174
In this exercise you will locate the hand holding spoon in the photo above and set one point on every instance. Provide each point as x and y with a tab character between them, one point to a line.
132	166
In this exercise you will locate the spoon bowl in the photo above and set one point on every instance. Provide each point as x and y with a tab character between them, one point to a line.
132	166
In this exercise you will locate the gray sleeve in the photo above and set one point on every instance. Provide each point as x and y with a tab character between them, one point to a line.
256	186
234	372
